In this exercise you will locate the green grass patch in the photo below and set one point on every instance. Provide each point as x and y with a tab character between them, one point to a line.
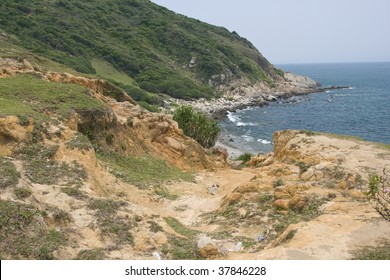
74	192
41	168
163	192
9	176
181	248
245	157
24	235
106	71
180	228
33	97
79	141
309	212
110	223
142	171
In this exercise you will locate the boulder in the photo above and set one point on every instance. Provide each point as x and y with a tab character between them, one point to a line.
207	247
282	204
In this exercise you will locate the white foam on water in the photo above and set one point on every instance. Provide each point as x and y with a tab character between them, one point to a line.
264	141
248	138
232	118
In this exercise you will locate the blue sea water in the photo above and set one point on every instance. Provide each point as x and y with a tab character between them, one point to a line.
363	109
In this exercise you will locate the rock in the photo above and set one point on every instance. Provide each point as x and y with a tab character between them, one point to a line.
238	247
157	256
248	188
192	63
297	202
282	204
175	144
281	193
308	175
270	98
207	247
243	213
220	151
236	164
213	190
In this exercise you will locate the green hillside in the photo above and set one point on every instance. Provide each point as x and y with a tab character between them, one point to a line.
142	47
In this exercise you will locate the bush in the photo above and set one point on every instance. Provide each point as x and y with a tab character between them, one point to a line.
197	126
245	157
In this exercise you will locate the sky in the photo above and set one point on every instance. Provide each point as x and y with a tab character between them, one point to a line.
301	31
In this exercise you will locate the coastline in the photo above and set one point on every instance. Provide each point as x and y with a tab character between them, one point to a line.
256	95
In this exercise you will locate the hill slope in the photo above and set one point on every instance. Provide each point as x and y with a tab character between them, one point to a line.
153	48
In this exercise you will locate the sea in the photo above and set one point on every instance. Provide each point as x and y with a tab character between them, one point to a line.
362	109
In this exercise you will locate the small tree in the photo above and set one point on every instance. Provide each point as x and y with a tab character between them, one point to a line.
197	125
378	194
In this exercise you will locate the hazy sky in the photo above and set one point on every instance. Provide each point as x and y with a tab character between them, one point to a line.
301	31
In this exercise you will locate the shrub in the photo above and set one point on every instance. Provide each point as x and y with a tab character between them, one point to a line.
245	157
197	126
378	194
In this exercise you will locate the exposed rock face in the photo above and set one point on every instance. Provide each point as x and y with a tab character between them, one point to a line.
11	67
300	81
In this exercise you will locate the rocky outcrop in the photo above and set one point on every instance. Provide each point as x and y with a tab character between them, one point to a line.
242	93
12	66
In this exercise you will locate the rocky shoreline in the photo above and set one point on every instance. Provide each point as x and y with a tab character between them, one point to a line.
255	95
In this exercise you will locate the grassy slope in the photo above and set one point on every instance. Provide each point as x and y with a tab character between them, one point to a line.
31	96
142	40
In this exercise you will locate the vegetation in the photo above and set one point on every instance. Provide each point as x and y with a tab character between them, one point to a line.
74	192
79	141
378	194
245	157
197	126
112	224
41	168
135	43
278	182
22	193
92	254
31	96
379	252
181	248
24	235
9	176
142	171
164	192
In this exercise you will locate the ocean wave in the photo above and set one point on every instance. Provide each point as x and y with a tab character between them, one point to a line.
264	141
233	118
342	94
248	138
237	120
245	124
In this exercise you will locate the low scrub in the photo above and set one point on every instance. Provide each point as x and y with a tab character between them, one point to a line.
9	176
24	235
142	171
